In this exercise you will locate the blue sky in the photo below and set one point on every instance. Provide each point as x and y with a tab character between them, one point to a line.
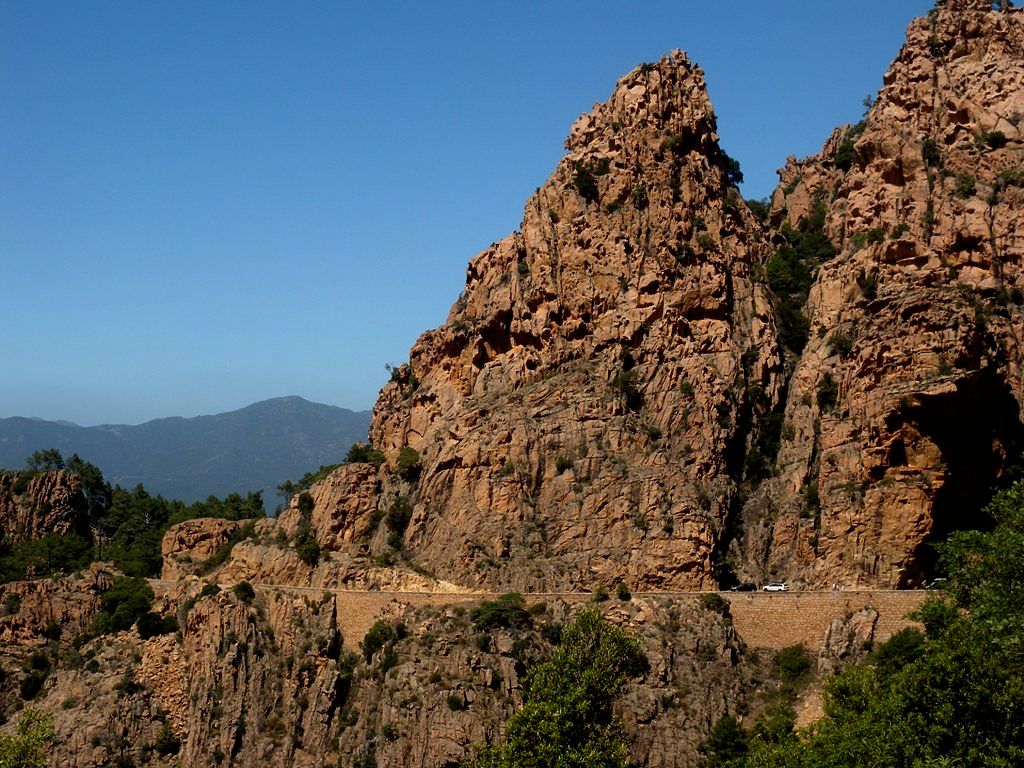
205	204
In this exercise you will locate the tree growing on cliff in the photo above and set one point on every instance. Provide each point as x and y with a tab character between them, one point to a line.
49	460
566	717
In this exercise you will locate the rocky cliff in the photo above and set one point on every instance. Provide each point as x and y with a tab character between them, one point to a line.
270	680
645	384
904	406
33	504
583	415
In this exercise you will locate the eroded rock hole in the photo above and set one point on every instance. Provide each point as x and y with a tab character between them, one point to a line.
978	430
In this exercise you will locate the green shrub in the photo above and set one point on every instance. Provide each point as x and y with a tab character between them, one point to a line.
680	144
379	635
243	591
811	501
507	612
868	285
397	520
731	169
32	684
827	393
600	594
26	746
930	154
638	196
965	186
1013	177
872	236
52	631
792	667
456	703
288	489
152	624
585	183
552	632
928	220
790	273
127	600
625	383
840	344
12	604
899	650
562	464
706	242
364	453
567	714
622	591
166	742
760	208
993	139
305	503
308	551
845	153
715	603
727	745
408	466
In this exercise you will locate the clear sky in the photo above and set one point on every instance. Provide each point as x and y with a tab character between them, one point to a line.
205	204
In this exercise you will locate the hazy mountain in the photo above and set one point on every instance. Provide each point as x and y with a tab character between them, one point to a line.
253	448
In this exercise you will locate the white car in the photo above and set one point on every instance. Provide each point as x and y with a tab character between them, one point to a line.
776	586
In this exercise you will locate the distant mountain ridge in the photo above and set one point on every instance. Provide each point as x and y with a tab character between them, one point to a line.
253	448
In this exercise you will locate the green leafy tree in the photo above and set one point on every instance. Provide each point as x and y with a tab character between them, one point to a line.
508	612
27	747
48	460
94	487
127	601
952	697
566	717
364	453
379	635
408	466
727	745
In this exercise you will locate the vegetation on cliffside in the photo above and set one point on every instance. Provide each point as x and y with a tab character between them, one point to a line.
566	718
121	526
950	696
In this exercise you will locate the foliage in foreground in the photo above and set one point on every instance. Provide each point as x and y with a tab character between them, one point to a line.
566	717
27	747
951	697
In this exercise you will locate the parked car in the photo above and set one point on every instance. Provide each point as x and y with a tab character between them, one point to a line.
939	583
746	586
776	586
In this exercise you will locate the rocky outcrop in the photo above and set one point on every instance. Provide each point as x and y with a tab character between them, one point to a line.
591	413
847	640
188	545
33	504
268	679
582	415
904	406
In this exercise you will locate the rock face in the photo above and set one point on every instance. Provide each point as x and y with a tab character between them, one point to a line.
904	406
189	544
272	682
593	411
582	415
36	503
